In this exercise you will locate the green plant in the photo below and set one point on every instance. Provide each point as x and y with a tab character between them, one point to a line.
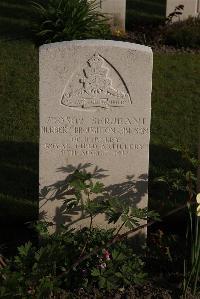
176	190
61	20
85	258
122	269
170	186
48	270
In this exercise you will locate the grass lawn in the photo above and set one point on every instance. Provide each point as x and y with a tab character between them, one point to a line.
175	110
15	18
175	100
18	140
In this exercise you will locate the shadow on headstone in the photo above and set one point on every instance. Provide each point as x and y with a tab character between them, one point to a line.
130	192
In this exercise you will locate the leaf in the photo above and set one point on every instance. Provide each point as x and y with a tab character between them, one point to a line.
102	282
97	188
154	215
117	255
113	217
24	249
119	274
129	224
160	180
95	272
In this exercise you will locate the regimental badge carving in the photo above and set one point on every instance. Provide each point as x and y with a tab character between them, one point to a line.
97	85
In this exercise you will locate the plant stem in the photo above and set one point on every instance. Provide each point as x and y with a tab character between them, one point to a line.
118	231
90	228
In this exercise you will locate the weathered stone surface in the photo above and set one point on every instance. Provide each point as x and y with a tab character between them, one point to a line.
191	8
95	107
115	10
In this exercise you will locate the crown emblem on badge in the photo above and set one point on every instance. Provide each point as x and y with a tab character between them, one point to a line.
93	87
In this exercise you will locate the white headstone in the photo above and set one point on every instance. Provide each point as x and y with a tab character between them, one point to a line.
95	108
115	10
191	8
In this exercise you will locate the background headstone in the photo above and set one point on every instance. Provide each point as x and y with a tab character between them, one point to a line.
95	107
115	10
191	8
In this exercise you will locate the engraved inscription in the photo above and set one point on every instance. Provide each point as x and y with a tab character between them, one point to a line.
96	136
95	130
96	87
79	148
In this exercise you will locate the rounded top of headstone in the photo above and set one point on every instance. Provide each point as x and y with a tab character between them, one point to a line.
100	43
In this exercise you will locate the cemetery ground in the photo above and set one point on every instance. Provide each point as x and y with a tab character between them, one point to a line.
174	127
175	109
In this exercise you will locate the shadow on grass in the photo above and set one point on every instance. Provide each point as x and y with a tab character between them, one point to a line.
18	194
151	7
13	236
15	19
166	196
145	12
19	170
18	186
164	158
